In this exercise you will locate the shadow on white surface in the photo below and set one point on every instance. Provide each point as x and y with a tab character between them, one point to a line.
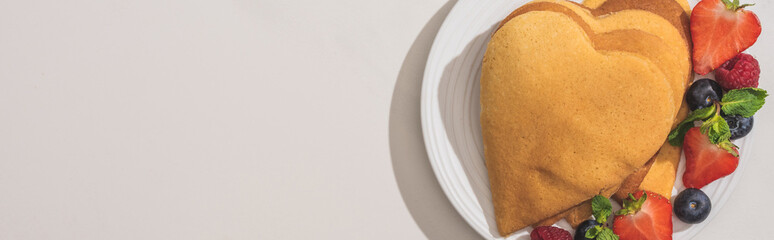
421	193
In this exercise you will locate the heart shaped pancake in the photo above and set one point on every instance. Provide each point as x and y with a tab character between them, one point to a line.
561	120
678	67
675	62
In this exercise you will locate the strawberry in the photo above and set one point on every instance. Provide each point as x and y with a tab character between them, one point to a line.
645	215
706	162
721	29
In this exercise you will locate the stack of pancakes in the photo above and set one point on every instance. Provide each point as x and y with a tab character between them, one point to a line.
577	100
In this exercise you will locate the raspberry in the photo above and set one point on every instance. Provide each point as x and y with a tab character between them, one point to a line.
550	233
740	72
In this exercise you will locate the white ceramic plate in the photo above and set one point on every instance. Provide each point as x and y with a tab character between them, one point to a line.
450	119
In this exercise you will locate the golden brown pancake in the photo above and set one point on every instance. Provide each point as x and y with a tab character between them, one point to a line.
582	212
636	178
665	58
658	175
674	62
558	124
660	178
670	10
596	3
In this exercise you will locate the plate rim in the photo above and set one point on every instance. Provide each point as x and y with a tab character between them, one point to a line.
426	100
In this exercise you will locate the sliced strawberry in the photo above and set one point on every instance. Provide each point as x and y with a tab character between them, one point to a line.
720	30
645	215
705	162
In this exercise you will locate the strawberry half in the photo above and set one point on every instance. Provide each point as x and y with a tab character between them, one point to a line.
721	29
645	215
706	162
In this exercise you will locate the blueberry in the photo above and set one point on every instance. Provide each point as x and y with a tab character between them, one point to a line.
740	126
692	206
702	93
580	232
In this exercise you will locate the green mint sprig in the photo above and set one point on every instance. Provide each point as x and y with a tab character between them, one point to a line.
601	233
678	134
745	102
716	127
601	209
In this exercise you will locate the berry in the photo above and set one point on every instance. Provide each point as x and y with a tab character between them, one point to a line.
720	30
702	93
549	233
692	206
580	233
739	126
741	71
646	215
705	162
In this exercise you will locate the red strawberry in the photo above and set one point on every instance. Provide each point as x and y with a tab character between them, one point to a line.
549	233
721	29
705	162
645	215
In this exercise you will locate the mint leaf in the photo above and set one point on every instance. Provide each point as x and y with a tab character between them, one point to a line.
601	208
744	102
716	128
593	232
678	134
607	234
601	233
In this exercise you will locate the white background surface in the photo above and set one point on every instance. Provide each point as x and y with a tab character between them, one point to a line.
242	120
